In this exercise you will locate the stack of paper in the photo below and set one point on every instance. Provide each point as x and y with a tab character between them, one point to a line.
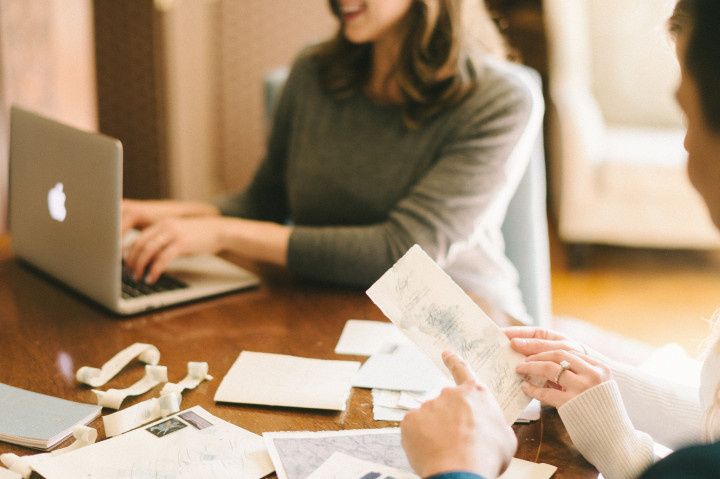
188	445
365	338
401	376
37	420
405	369
279	380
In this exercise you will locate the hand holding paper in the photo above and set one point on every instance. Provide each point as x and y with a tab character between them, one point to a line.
422	300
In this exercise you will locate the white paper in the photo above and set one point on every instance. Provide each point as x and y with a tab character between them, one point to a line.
22	465
422	300
8	474
531	413
521	469
392	405
291	381
296	455
365	338
183	446
385	397
343	466
411	400
406	369
383	413
96	377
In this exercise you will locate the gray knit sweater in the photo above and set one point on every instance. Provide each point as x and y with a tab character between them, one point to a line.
360	188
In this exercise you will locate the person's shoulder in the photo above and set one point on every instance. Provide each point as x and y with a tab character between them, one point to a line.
503	86
694	462
305	66
508	96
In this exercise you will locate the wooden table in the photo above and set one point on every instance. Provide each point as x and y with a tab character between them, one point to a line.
47	332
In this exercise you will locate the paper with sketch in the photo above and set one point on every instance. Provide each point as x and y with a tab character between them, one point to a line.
296	455
290	381
344	466
422	300
405	369
190	444
365	338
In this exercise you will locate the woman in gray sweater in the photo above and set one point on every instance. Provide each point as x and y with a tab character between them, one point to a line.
407	127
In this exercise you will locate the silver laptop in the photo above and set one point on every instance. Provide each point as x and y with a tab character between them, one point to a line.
65	197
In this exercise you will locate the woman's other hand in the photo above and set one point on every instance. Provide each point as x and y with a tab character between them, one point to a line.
528	340
139	214
555	377
157	245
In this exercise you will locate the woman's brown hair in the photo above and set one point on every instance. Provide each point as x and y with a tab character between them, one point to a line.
439	60
700	20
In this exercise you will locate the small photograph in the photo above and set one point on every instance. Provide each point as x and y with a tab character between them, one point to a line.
196	420
166	427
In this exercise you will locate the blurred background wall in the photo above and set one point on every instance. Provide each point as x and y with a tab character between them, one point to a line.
47	64
178	81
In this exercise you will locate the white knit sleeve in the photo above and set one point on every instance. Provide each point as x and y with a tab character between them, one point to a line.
602	431
671	413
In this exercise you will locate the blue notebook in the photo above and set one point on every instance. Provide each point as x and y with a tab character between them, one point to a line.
37	420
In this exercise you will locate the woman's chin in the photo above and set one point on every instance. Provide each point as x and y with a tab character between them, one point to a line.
357	37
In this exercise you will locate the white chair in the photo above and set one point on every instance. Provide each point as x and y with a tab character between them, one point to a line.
616	135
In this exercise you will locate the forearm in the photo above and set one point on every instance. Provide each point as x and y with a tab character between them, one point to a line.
648	397
199	208
258	240
601	430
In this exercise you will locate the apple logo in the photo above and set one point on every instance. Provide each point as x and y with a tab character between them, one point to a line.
56	202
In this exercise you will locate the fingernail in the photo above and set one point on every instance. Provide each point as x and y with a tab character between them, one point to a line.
520	341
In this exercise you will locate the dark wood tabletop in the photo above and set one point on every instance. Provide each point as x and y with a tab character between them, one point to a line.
47	332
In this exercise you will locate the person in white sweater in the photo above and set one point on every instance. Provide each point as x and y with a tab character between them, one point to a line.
613	411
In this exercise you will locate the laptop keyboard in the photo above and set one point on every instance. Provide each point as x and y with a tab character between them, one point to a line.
135	289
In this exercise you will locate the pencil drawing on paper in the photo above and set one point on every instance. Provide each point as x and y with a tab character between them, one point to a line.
430	308
300	456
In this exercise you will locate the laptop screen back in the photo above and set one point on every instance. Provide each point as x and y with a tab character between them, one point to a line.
65	194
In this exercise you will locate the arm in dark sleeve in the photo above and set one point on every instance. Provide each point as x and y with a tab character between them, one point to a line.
695	462
473	179
456	475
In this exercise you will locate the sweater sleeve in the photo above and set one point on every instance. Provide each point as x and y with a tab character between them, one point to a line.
603	433
648	397
477	170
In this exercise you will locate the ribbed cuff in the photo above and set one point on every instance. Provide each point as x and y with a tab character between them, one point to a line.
602	431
